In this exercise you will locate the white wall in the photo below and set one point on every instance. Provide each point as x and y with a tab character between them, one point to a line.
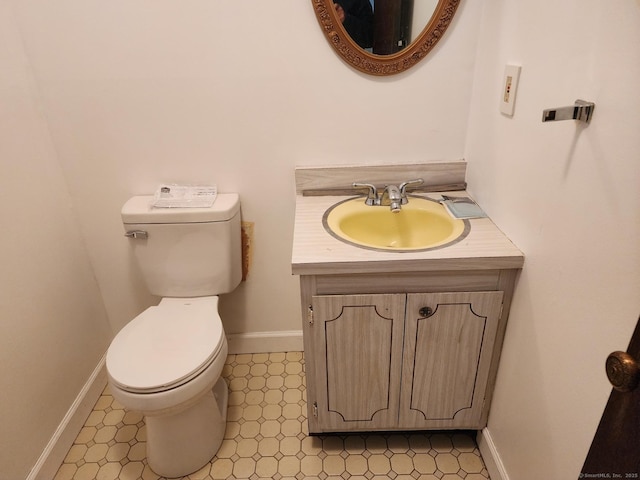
233	93
53	325
567	195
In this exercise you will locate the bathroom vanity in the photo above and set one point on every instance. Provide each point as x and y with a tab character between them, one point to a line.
400	340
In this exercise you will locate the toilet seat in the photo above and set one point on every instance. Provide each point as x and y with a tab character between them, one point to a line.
166	346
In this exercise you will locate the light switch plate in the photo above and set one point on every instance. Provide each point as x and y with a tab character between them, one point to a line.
509	89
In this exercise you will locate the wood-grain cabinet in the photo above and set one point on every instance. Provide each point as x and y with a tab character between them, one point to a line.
422	356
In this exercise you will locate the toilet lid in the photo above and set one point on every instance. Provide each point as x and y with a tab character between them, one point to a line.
166	346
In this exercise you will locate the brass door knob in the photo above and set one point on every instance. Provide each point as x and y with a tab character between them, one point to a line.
623	371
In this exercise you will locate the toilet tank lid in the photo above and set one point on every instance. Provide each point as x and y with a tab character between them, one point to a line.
139	209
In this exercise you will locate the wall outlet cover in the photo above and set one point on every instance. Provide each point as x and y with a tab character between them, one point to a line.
509	89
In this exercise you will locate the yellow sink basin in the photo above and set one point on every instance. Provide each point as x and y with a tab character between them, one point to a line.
422	224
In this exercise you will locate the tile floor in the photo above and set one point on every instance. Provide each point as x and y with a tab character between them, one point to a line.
267	437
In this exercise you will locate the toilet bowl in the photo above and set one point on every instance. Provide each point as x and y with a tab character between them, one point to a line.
166	363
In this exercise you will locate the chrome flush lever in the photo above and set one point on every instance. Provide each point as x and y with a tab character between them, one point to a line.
141	234
581	111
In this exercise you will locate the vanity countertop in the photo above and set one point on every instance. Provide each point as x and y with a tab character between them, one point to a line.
316	252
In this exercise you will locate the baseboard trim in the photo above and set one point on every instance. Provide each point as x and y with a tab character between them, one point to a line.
60	443
490	455
265	342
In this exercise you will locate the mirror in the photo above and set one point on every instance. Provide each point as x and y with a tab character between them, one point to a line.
384	37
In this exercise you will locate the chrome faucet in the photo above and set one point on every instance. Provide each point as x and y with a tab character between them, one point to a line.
392	196
403	188
372	195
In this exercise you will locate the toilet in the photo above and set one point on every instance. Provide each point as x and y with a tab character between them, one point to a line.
167	362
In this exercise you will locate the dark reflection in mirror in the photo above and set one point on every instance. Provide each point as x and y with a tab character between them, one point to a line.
382	27
357	19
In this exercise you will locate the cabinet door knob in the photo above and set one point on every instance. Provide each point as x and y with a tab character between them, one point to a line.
426	311
623	371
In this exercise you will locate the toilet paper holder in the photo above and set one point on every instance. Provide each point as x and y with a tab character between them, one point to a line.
581	110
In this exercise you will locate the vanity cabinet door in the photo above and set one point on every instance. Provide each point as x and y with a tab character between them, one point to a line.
448	345
357	344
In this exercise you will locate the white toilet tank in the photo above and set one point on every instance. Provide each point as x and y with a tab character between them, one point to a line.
186	252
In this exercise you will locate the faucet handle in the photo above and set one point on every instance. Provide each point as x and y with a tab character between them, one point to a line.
404	185
372	195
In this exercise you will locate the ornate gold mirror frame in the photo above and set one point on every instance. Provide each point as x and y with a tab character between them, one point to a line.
384	64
